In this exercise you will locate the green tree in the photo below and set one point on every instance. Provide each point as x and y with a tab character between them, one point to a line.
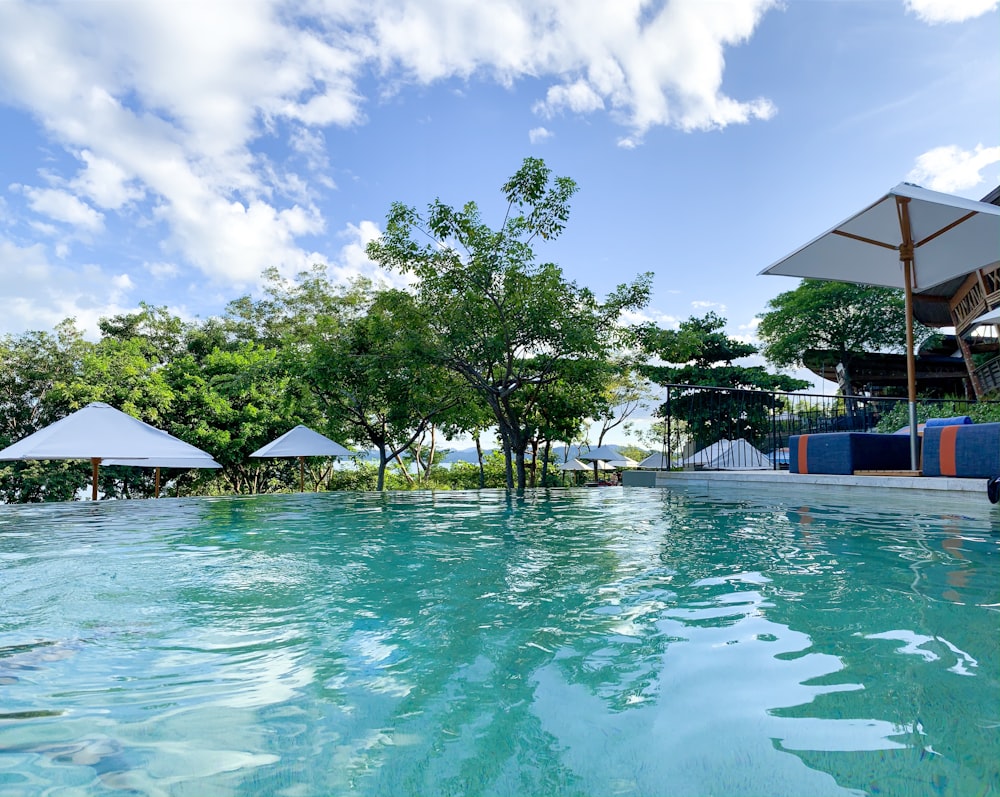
377	375
839	317
699	353
502	322
31	365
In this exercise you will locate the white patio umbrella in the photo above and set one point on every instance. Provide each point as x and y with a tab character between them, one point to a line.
655	461
991	317
302	442
164	462
99	432
598	453
911	238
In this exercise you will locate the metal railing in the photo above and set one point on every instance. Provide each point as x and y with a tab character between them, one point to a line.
733	429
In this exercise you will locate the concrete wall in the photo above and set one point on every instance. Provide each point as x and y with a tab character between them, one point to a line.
639	478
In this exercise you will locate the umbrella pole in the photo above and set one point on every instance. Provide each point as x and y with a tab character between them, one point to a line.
156	483
906	256
95	465
302	474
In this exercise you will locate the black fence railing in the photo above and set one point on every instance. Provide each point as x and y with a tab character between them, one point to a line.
729	429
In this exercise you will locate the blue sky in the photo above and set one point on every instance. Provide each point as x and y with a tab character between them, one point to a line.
168	152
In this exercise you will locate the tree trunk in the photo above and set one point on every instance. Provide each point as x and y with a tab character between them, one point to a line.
479	456
382	461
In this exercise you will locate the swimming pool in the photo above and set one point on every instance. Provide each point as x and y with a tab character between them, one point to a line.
590	642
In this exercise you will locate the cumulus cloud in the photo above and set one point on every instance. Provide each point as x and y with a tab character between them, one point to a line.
935	11
538	134
38	293
60	205
162	108
952	169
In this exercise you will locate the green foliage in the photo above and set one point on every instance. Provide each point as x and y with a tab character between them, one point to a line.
844	318
899	415
700	353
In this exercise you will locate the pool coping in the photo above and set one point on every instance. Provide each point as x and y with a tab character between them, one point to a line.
705	478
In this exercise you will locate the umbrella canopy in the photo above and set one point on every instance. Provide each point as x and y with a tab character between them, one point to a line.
99	432
302	442
599	452
991	317
729	455
911	238
575	464
622	462
164	462
657	461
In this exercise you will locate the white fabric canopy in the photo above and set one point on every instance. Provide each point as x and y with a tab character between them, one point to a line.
657	461
165	462
99	431
575	464
302	442
599	452
951	237
991	317
729	455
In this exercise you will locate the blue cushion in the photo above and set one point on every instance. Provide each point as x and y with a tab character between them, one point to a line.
844	453
961	419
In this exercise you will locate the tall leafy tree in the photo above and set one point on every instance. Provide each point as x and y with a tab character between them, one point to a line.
833	316
504	323
699	353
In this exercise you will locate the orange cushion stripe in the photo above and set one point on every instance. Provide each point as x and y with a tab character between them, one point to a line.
803	445
949	435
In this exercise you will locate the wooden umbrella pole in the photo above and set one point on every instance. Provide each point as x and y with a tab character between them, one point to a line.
302	474
156	480
95	466
906	258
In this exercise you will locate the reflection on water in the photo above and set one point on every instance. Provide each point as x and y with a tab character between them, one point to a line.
631	642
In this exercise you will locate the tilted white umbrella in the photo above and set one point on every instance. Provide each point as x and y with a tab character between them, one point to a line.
164	462
991	317
302	442
911	238
99	432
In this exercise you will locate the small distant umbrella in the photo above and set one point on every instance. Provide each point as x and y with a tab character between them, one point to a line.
598	453
302	442
657	461
99	432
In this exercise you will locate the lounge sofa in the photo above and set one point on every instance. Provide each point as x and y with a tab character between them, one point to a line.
844	453
970	450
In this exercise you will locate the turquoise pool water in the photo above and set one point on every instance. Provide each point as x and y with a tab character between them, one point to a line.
593	642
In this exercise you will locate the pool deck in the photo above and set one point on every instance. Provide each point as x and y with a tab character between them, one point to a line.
704	478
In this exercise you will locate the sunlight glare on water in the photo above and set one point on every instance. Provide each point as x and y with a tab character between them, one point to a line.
591	642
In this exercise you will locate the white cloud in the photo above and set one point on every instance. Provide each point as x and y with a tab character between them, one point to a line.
104	183
63	206
38	294
953	169
935	11
163	106
538	134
